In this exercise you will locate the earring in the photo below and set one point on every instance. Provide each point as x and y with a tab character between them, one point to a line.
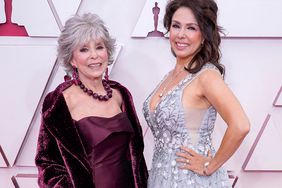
75	75
107	74
67	78
202	43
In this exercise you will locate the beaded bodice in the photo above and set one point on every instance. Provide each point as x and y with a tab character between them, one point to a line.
171	128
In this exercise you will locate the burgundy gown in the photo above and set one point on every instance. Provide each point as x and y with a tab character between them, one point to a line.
106	141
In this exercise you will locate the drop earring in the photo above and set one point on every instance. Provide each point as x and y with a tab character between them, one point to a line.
107	74
67	77
75	75
202	43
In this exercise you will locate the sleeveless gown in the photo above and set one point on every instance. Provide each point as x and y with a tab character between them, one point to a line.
106	141
173	126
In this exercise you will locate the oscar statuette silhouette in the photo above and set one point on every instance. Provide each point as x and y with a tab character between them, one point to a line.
156	33
8	28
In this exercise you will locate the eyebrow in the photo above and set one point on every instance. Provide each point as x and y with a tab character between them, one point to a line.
188	24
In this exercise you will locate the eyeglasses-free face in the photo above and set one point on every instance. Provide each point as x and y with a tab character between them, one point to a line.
185	35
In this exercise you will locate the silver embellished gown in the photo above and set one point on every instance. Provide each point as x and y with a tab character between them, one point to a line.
173	126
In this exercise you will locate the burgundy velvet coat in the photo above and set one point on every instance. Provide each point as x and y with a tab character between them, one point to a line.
61	158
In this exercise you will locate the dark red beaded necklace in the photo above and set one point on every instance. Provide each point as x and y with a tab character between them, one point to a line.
96	95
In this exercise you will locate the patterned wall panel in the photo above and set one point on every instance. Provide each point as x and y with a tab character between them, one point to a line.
4	162
278	99
25	181
27	151
252	18
24	93
29	73
265	154
62	12
234	16
44	25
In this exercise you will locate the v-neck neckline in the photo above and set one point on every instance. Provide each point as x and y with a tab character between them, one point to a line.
153	110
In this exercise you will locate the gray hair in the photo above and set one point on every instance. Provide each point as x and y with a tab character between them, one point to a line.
79	30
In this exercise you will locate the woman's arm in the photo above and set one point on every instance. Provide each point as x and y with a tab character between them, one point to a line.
229	108
217	93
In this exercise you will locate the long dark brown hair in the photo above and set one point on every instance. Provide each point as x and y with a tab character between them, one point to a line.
205	12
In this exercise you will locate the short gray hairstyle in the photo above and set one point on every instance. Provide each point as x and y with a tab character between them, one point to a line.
79	30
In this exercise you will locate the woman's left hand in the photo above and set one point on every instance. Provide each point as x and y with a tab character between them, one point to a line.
190	160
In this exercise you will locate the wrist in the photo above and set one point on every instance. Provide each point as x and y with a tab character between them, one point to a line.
205	168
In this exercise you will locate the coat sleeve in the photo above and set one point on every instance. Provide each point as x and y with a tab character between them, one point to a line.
51	169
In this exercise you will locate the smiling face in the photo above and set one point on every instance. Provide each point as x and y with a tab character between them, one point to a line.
185	34
90	59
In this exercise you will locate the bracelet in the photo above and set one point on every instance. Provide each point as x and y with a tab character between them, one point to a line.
206	164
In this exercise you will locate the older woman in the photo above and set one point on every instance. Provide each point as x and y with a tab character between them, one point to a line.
90	135
182	110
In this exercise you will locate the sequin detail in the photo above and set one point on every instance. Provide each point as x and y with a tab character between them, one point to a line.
167	123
